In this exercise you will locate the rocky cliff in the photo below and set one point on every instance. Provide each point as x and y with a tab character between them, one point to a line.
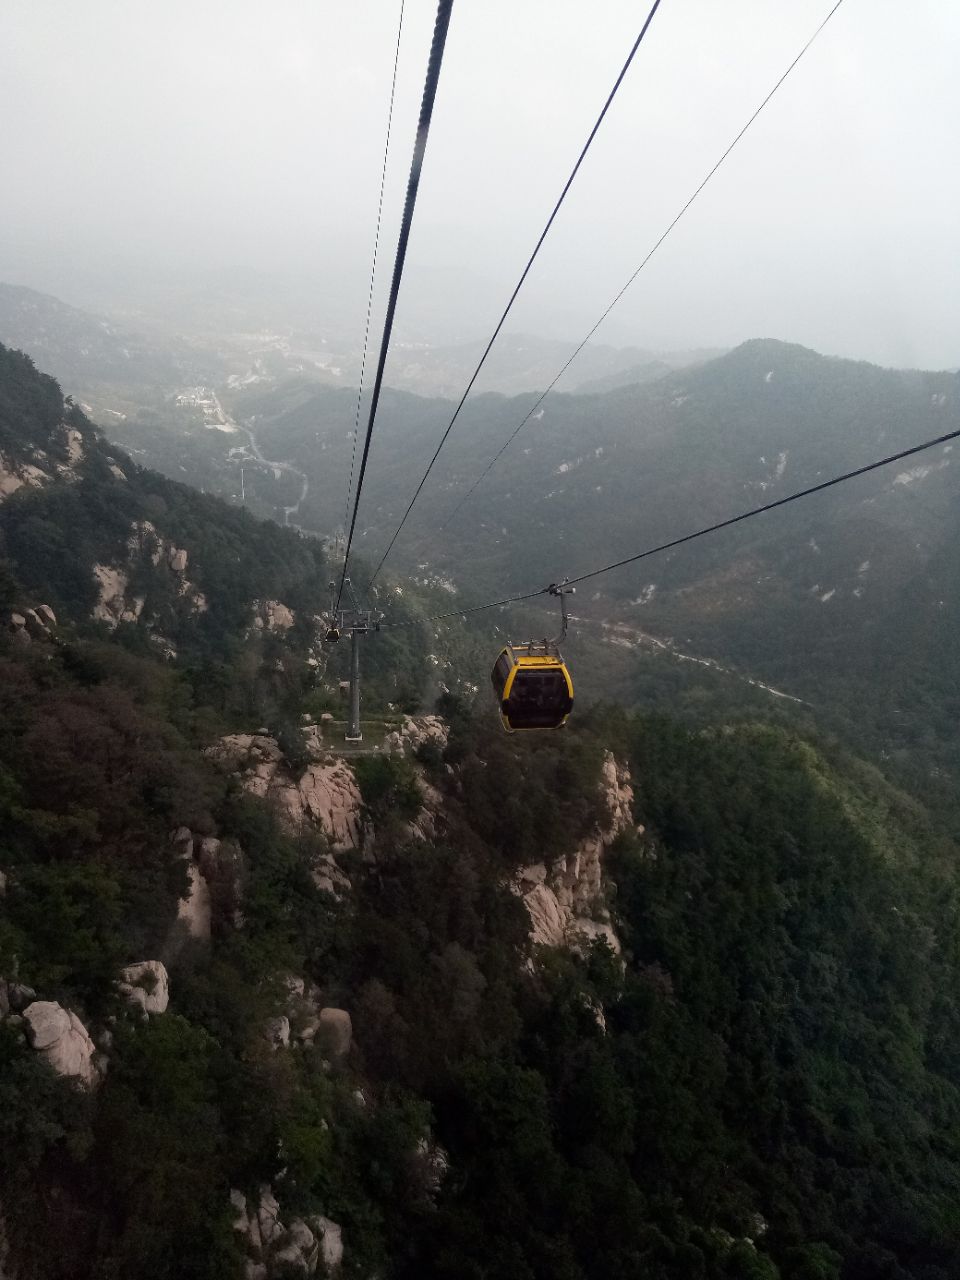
565	896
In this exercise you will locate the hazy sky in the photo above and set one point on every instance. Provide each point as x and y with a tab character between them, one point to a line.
152	141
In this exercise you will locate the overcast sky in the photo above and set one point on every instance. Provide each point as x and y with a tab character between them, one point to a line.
240	138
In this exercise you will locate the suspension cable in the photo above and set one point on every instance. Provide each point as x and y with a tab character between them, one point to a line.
526	271
700	533
423	128
499	454
373	269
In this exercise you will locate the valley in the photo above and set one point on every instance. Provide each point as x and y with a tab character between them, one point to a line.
807	601
479	681
685	968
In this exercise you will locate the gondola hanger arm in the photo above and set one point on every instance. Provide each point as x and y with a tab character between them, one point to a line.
562	590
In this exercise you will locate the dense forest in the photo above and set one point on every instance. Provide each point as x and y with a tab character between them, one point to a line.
763	1081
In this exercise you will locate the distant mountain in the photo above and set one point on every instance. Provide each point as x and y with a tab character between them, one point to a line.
847	600
595	477
86	351
105	542
648	369
837	600
632	999
522	362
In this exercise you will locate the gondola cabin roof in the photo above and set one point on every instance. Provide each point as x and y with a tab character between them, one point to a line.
533	687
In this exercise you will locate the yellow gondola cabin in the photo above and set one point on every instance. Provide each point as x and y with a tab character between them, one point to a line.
533	687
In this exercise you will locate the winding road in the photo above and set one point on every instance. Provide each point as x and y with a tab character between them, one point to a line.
252	453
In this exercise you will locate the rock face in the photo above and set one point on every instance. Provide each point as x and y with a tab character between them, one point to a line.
331	1241
325	794
565	896
115	604
277	1032
335	1031
419	730
59	1036
222	867
194	909
275	1249
328	794
548	920
112	607
429	821
434	1164
146	984
39	468
14	476
415	732
272	615
216	876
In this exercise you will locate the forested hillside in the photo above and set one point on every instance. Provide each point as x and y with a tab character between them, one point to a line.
630	1000
88	352
846	601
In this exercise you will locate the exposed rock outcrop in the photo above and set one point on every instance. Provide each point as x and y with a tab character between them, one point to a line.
277	1032
194	909
14	476
115	604
331	1240
35	470
272	615
548	920
326	795
274	1248
268	1217
145	984
335	1033
328	877
434	1164
59	1036
565	896
222	866
33	624
426	825
112	606
216	874
417	731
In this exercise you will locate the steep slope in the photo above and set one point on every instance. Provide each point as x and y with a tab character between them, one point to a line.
114	548
87	351
846	601
627	468
263	1013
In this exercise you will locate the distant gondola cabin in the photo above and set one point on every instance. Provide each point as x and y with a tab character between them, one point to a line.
533	687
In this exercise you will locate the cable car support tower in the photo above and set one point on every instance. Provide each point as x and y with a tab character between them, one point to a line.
358	622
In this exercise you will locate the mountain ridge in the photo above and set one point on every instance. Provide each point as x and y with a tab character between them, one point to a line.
261	1007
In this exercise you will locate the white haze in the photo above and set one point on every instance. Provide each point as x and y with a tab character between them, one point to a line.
235	148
